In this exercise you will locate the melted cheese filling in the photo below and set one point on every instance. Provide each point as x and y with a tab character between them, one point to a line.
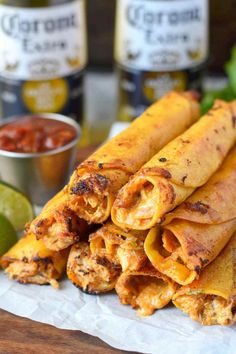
145	293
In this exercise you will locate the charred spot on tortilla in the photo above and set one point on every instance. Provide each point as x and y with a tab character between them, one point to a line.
162	159
184	178
204	261
157	171
87	186
197	269
185	141
80	188
188	162
233	310
234	121
100	165
198	207
85	290
45	260
102	182
104	262
69	223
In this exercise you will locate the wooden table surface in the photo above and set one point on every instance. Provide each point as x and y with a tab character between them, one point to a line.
22	336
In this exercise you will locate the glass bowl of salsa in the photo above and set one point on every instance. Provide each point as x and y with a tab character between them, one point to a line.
37	153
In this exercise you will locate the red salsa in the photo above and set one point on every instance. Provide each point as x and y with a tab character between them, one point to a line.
35	134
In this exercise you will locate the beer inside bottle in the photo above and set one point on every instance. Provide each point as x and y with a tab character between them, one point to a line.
43	51
160	45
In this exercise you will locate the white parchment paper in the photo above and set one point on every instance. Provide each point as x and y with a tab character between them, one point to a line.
167	331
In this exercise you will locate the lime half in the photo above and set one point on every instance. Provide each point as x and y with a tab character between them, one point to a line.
8	236
15	206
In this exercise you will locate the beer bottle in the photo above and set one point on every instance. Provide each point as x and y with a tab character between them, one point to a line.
43	53
160	45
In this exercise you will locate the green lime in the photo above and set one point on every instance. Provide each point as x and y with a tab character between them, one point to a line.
15	206
8	236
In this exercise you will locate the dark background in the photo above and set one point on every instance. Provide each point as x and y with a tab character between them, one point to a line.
101	15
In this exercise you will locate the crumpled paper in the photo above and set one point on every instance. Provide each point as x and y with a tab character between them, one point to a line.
167	331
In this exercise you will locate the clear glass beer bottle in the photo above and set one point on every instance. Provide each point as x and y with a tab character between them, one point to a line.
160	45
43	54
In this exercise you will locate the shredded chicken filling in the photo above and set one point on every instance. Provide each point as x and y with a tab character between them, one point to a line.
140	205
91	273
33	272
208	309
125	251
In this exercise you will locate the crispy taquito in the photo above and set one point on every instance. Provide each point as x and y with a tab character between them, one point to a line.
145	290
58	225
95	267
29	261
195	233
95	183
211	299
177	170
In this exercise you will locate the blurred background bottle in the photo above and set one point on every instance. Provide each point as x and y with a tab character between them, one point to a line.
43	54
160	45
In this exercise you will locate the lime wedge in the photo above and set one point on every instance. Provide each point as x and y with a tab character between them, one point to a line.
15	206
8	236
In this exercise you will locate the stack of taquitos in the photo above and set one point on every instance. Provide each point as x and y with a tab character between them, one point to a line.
115	258
177	170
145	266
95	183
195	233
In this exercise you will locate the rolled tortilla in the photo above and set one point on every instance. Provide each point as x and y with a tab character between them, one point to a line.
29	261
95	183
95	266
122	247
145	290
177	170
195	233
211	299
58	226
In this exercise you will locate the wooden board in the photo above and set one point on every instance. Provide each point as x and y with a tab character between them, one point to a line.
22	336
